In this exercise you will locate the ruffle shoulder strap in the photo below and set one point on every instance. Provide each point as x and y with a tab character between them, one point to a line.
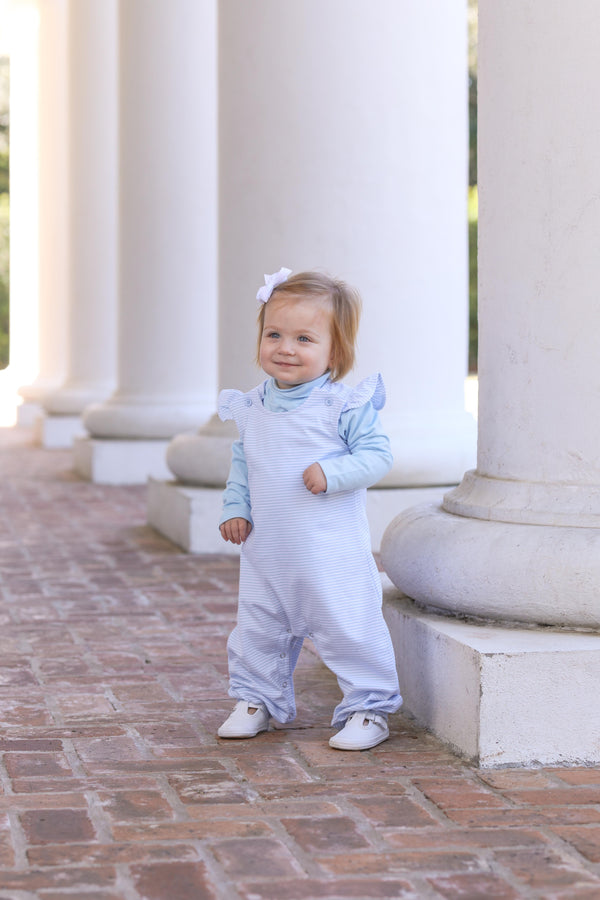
370	388
228	403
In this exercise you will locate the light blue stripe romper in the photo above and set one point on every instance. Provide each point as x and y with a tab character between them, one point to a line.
306	568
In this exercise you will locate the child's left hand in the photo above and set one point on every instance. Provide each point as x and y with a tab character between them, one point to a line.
314	479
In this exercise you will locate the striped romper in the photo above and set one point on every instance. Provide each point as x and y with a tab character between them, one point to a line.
306	569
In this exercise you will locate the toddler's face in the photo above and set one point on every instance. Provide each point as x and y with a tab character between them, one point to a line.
296	344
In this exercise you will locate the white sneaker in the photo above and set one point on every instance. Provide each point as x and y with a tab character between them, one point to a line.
244	724
363	729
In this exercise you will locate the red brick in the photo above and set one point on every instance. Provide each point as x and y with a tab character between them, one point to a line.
509	818
16	676
126	806
325	789
458	793
168	734
348	888
22	786
463	838
269	768
212	786
37	765
108	854
508	779
181	880
205	827
337	834
36	746
22	711
43	800
65	878
115	751
314	808
398	863
586	840
400	812
474	887
253	858
577	775
54	826
567	796
543	869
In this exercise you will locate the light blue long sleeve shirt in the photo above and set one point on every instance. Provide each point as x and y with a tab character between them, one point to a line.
368	460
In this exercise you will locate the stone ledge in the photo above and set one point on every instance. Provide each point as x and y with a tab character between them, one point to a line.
105	461
499	696
57	431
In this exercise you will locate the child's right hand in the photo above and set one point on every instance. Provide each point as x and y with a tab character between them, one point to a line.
235	530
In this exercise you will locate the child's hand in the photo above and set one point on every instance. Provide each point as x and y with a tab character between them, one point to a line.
314	479
235	530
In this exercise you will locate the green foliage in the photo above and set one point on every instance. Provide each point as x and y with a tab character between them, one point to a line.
473	217
4	281
472	130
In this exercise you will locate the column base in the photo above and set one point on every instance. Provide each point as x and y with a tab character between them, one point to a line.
105	461
500	571
499	696
28	413
188	515
57	432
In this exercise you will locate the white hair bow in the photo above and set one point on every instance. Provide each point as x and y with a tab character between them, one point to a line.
271	282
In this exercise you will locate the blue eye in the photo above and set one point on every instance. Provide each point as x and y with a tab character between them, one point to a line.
303	338
273	334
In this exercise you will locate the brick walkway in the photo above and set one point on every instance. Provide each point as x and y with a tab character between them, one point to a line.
112	684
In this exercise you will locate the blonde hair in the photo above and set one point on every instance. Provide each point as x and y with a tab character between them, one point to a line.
345	306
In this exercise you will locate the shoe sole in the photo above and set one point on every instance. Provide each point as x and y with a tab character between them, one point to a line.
368	746
240	737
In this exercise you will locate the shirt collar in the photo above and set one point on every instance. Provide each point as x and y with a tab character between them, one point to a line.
286	398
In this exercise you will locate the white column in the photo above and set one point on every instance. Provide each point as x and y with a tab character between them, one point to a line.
52	105
22	21
519	539
355	162
92	220
167	239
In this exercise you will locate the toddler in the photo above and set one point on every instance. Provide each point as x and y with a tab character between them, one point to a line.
295	499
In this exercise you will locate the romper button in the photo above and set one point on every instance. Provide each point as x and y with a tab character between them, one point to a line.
248	402
285	683
328	401
282	656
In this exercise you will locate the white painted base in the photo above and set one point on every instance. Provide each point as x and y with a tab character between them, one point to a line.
188	516
27	413
106	461
500	696
54	432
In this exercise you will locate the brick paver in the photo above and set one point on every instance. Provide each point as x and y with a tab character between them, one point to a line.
114	787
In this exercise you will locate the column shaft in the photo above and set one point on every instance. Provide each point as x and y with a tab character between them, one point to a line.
167	222
353	162
52	173
92	220
519	539
536	558
24	200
